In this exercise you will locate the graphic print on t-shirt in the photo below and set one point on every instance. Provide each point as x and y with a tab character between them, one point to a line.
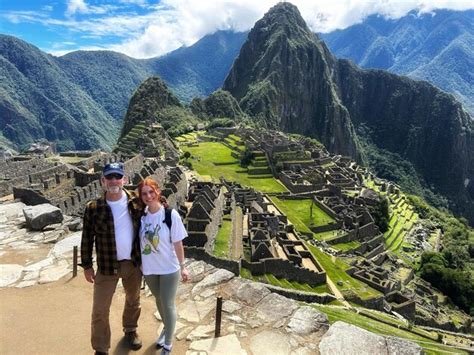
151	239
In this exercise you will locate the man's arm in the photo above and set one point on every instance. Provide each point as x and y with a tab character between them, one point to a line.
87	244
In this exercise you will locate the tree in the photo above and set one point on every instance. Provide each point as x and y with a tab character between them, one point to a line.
247	158
380	213
186	155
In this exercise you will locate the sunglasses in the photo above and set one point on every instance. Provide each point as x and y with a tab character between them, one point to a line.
113	176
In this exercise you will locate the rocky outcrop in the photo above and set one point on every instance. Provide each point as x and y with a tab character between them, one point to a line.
151	97
283	77
39	216
343	338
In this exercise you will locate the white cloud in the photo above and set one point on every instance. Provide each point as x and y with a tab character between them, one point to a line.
74	6
81	7
182	22
165	25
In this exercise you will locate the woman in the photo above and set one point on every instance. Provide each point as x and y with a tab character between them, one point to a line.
162	257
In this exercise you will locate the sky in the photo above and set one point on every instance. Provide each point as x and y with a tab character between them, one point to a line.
150	28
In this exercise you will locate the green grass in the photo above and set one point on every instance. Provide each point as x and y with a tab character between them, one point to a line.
68	160
234	137
336	271
401	222
284	283
298	212
213	152
346	246
221	247
340	314
327	235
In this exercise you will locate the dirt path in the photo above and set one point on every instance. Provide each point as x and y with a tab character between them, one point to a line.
30	323
336	292
236	235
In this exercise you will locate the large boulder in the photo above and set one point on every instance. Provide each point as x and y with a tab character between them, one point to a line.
39	216
343	338
307	320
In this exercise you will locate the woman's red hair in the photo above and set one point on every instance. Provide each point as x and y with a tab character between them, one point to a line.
154	185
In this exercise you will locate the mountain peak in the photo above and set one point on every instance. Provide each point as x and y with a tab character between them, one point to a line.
283	76
284	19
151	96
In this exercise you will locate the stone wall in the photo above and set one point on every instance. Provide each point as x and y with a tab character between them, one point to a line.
327	227
372	303
297	188
368	230
134	164
13	168
6	186
401	304
28	196
83	178
302	296
200	254
286	270
378	249
216	217
76	202
325	208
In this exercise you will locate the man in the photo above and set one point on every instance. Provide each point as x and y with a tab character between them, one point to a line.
111	223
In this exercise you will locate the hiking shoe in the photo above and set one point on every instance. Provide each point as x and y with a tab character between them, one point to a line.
132	340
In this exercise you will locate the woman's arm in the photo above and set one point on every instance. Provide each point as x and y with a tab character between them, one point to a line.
179	249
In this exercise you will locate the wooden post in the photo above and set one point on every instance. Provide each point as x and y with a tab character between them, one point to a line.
74	261
217	332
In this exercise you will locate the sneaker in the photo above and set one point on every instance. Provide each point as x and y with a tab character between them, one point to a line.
166	349
132	340
161	340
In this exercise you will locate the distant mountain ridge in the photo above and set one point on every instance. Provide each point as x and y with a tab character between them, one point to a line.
38	101
80	99
437	47
286	78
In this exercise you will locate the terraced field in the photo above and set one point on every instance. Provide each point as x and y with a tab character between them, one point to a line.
298	212
283	283
189	137
336	270
401	221
128	144
214	160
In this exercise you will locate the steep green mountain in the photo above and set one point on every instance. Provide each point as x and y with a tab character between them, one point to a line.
152	103
282	76
79	100
37	101
436	47
109	78
285	77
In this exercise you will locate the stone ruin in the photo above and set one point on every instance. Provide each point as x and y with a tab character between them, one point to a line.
34	179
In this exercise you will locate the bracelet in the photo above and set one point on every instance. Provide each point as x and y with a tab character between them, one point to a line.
181	265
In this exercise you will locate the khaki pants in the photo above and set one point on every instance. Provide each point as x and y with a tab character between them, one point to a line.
104	289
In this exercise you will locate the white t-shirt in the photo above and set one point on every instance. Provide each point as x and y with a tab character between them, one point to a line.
158	254
123	226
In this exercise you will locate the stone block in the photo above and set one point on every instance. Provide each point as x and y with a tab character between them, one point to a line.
39	216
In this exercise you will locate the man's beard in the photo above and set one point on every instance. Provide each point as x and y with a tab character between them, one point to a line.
113	189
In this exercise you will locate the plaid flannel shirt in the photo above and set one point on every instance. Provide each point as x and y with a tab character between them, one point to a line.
99	229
